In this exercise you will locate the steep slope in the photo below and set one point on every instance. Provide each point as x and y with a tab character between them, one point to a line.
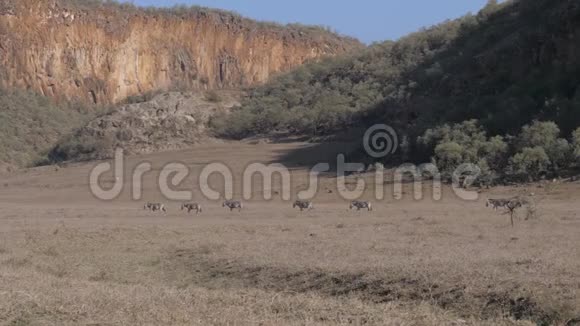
30	125
104	52
499	90
506	66
334	94
509	66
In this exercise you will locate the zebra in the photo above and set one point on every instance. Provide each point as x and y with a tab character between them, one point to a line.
155	207
515	203
361	205
192	207
497	203
303	204
232	204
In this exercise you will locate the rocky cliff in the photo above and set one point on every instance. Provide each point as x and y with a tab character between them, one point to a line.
103	53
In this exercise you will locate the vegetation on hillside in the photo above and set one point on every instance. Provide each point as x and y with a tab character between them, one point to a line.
576	144
167	121
509	65
517	65
30	124
499	89
322	97
220	16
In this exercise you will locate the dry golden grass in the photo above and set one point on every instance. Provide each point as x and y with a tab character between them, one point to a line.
68	259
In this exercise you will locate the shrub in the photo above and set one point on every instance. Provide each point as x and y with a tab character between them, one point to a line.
545	135
449	155
466	142
141	98
495	153
537	150
82	148
467	134
234	125
124	135
576	144
560	154
538	134
531	161
488	176
213	96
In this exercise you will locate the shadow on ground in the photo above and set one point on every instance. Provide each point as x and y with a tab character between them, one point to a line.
399	288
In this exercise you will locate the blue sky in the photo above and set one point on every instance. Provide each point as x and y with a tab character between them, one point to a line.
367	20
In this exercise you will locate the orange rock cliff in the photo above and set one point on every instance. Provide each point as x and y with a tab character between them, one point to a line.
103	53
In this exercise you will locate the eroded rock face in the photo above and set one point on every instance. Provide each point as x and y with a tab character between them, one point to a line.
169	121
109	52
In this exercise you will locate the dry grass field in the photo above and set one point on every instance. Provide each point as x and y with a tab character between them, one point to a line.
67	258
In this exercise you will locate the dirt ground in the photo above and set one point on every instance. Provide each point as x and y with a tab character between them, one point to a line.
67	258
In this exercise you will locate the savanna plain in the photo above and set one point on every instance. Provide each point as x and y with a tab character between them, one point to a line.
67	258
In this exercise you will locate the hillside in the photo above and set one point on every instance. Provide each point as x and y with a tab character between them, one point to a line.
64	62
323	97
102	52
509	65
31	124
168	121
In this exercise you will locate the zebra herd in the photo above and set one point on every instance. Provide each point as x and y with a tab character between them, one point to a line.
235	204
511	204
308	205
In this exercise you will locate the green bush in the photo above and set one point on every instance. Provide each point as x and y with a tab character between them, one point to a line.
141	98
213	96
494	152
468	134
536	150
538	134
561	154
449	155
81	148
234	125
531	162
466	142
545	135
576	144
